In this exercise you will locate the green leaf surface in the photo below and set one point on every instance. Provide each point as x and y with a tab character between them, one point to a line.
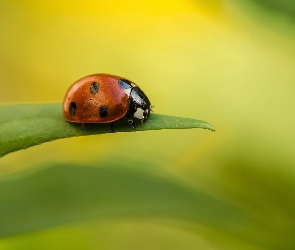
26	125
62	194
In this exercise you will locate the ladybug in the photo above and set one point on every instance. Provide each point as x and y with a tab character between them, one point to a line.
105	98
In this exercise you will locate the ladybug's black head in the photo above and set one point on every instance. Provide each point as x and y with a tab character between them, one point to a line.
139	105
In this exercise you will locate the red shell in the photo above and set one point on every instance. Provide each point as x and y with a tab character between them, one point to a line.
83	104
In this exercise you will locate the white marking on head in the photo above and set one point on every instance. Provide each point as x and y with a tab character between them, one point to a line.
139	113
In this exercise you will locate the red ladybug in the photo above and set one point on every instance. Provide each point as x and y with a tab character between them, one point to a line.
105	98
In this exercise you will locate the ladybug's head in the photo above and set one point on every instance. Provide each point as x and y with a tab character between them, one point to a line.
139	105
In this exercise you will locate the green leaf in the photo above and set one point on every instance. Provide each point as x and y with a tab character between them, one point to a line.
26	125
286	7
62	194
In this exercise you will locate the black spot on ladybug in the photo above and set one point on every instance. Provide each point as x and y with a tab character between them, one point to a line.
103	111
72	108
94	87
125	84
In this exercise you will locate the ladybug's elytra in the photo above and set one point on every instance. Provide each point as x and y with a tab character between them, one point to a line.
105	98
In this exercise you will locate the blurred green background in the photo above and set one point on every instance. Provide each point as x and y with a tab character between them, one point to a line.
231	63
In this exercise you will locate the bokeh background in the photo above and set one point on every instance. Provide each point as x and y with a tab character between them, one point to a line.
231	63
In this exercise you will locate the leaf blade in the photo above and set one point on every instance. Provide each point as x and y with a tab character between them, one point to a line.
62	193
26	125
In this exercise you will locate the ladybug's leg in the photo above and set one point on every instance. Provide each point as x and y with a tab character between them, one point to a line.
111	127
132	122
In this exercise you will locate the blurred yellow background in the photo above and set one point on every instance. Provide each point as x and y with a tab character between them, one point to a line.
231	63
